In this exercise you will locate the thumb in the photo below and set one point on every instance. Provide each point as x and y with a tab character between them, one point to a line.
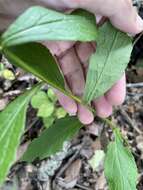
128	21
121	13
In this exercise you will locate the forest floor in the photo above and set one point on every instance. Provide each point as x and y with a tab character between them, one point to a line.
73	167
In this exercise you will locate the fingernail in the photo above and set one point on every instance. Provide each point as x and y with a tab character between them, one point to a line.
139	22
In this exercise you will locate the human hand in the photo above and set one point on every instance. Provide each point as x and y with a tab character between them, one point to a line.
73	58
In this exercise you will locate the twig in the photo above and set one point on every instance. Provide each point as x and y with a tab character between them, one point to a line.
68	163
139	95
109	123
135	85
31	125
12	93
82	187
130	122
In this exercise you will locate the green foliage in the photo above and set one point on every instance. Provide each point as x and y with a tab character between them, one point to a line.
7	74
36	58
51	140
48	121
12	123
2	67
60	113
106	67
38	99
51	95
43	104
108	63
47	108
120	167
45	24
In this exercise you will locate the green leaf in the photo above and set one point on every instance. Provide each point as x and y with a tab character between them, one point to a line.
51	140
12	123
44	24
46	110
8	74
38	99
52	96
120	168
48	121
36	58
2	66
60	113
43	104
107	65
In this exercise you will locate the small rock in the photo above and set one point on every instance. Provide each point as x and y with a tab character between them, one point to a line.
3	103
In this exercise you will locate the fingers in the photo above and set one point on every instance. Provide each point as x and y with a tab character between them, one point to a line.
84	51
85	116
127	19
58	48
68	104
116	95
121	13
70	63
72	69
73	73
103	107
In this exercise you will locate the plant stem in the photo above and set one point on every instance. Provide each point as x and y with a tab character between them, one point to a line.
0	49
109	123
106	120
80	101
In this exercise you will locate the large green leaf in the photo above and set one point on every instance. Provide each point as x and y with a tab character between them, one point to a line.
36	58
108	63
12	123
39	23
120	167
51	140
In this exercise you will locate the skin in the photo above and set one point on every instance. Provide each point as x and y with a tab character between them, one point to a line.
73	57
74	61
